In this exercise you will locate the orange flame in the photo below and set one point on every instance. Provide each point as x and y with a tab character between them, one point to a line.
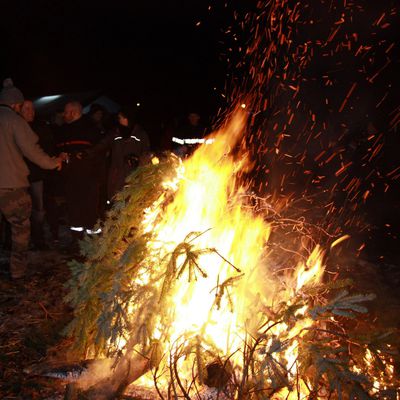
220	300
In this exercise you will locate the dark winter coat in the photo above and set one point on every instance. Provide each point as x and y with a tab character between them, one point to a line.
129	148
47	143
80	174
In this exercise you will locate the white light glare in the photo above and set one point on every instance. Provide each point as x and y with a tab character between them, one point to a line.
192	141
48	99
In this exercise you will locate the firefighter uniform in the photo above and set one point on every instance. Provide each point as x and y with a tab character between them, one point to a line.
80	175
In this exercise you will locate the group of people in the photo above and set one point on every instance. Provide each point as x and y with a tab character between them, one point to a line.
80	160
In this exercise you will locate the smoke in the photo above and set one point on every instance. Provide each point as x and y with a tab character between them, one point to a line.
97	371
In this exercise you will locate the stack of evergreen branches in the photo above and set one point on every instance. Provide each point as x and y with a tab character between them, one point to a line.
102	286
120	292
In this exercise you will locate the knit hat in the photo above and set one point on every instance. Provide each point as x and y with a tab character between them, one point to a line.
10	94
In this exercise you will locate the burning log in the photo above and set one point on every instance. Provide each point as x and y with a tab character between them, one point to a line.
218	374
128	369
70	372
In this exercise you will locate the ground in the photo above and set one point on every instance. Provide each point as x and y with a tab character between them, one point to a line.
32	315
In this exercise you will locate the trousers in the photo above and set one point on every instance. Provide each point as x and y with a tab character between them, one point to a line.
38	213
16	206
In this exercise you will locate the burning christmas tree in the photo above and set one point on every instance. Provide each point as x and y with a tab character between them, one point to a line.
199	289
182	291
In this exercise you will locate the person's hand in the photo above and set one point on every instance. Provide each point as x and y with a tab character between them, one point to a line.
59	163
64	156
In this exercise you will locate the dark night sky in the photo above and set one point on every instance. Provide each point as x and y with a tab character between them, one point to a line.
147	51
134	50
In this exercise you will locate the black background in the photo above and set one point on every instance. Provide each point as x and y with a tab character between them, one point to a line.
154	52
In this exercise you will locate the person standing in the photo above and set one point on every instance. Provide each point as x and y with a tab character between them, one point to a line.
17	140
188	136
38	177
100	119
77	135
130	147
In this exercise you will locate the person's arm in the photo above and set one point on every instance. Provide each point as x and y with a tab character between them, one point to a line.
27	141
145	155
100	148
146	143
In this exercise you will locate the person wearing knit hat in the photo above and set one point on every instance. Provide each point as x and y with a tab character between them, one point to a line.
10	95
16	141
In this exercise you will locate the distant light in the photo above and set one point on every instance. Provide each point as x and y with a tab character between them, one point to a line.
137	104
48	99
155	161
243	105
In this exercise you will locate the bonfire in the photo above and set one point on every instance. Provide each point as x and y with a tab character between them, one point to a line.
183	294
198	288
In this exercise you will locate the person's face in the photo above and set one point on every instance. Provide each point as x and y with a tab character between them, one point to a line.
70	113
194	118
28	111
122	120
97	116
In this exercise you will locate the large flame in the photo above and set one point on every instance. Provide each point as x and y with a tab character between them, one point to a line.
223	298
